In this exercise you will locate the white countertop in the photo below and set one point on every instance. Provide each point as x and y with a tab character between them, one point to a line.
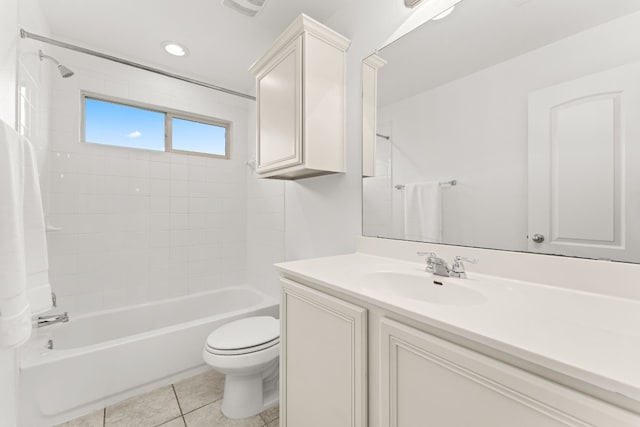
589	337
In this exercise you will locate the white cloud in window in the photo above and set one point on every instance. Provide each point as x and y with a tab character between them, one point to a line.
134	134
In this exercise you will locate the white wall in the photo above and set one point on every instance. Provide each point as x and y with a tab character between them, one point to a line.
265	222
141	225
475	130
323	214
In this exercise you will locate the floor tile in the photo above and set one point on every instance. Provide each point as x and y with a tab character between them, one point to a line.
270	414
178	422
274	423
198	391
211	415
94	419
147	410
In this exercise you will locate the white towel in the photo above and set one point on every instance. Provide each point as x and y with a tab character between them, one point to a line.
35	238
23	250
423	212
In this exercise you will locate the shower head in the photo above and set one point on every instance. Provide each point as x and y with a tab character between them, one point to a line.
64	70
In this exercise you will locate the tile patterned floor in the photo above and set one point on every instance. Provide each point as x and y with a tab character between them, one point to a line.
194	402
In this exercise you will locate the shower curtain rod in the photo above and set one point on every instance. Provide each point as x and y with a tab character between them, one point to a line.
26	34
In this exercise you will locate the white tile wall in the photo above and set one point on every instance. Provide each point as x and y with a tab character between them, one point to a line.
265	226
141	225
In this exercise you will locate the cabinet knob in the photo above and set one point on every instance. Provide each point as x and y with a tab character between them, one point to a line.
537	238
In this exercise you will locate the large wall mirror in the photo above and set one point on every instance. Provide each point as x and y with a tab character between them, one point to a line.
514	125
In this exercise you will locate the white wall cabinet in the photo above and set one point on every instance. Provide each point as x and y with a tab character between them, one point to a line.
300	84
370	66
323	360
414	378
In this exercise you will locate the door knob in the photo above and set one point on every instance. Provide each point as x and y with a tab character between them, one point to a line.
538	238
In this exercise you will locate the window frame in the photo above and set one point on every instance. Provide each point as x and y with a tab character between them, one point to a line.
168	113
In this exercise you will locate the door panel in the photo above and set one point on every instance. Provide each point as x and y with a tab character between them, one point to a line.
323	360
279	111
582	142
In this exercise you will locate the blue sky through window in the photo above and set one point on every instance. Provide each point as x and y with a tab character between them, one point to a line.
188	135
123	125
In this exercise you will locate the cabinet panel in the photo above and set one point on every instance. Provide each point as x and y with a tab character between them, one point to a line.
370	66
426	381
324	103
301	102
323	360
279	101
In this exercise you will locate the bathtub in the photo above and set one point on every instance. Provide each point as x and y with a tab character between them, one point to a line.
100	358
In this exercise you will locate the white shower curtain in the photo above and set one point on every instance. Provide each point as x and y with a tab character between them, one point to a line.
24	277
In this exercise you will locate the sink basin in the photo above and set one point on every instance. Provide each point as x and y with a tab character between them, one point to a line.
421	288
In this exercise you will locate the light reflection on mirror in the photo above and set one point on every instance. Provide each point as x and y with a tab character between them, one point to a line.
533	107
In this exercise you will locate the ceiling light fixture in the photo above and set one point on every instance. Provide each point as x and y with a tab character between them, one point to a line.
175	49
245	7
443	14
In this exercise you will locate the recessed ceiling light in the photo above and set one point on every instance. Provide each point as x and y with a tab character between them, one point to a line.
443	14
175	49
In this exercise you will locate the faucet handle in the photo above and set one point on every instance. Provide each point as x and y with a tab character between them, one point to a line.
430	256
459	259
457	269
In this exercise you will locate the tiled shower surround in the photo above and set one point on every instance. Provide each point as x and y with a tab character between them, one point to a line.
141	225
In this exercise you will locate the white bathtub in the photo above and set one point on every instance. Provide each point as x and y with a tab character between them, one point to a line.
100	358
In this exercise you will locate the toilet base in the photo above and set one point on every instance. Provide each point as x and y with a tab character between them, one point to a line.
248	395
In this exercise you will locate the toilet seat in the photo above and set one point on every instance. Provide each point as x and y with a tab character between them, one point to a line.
245	350
244	336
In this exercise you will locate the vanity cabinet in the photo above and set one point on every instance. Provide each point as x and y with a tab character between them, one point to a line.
300	84
426	380
335	346
323	360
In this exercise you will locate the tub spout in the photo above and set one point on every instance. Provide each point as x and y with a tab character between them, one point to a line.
51	320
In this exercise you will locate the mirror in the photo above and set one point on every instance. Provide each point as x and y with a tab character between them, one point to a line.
513	125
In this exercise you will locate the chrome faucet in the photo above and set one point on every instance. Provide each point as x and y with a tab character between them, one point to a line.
42	321
435	265
457	268
439	266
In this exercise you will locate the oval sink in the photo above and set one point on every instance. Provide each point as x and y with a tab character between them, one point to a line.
421	288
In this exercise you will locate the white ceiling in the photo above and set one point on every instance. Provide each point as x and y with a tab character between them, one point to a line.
481	33
222	43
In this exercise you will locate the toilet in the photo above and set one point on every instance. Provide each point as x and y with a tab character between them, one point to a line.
247	352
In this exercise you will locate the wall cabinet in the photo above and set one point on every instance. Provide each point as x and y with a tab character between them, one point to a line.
323	360
300	85
370	66
414	377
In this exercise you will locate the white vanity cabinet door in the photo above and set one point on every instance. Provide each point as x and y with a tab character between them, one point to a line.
323	360
427	381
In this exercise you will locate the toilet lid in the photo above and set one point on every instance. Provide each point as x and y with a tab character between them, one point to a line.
244	333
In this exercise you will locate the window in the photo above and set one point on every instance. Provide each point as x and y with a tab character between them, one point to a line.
127	124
